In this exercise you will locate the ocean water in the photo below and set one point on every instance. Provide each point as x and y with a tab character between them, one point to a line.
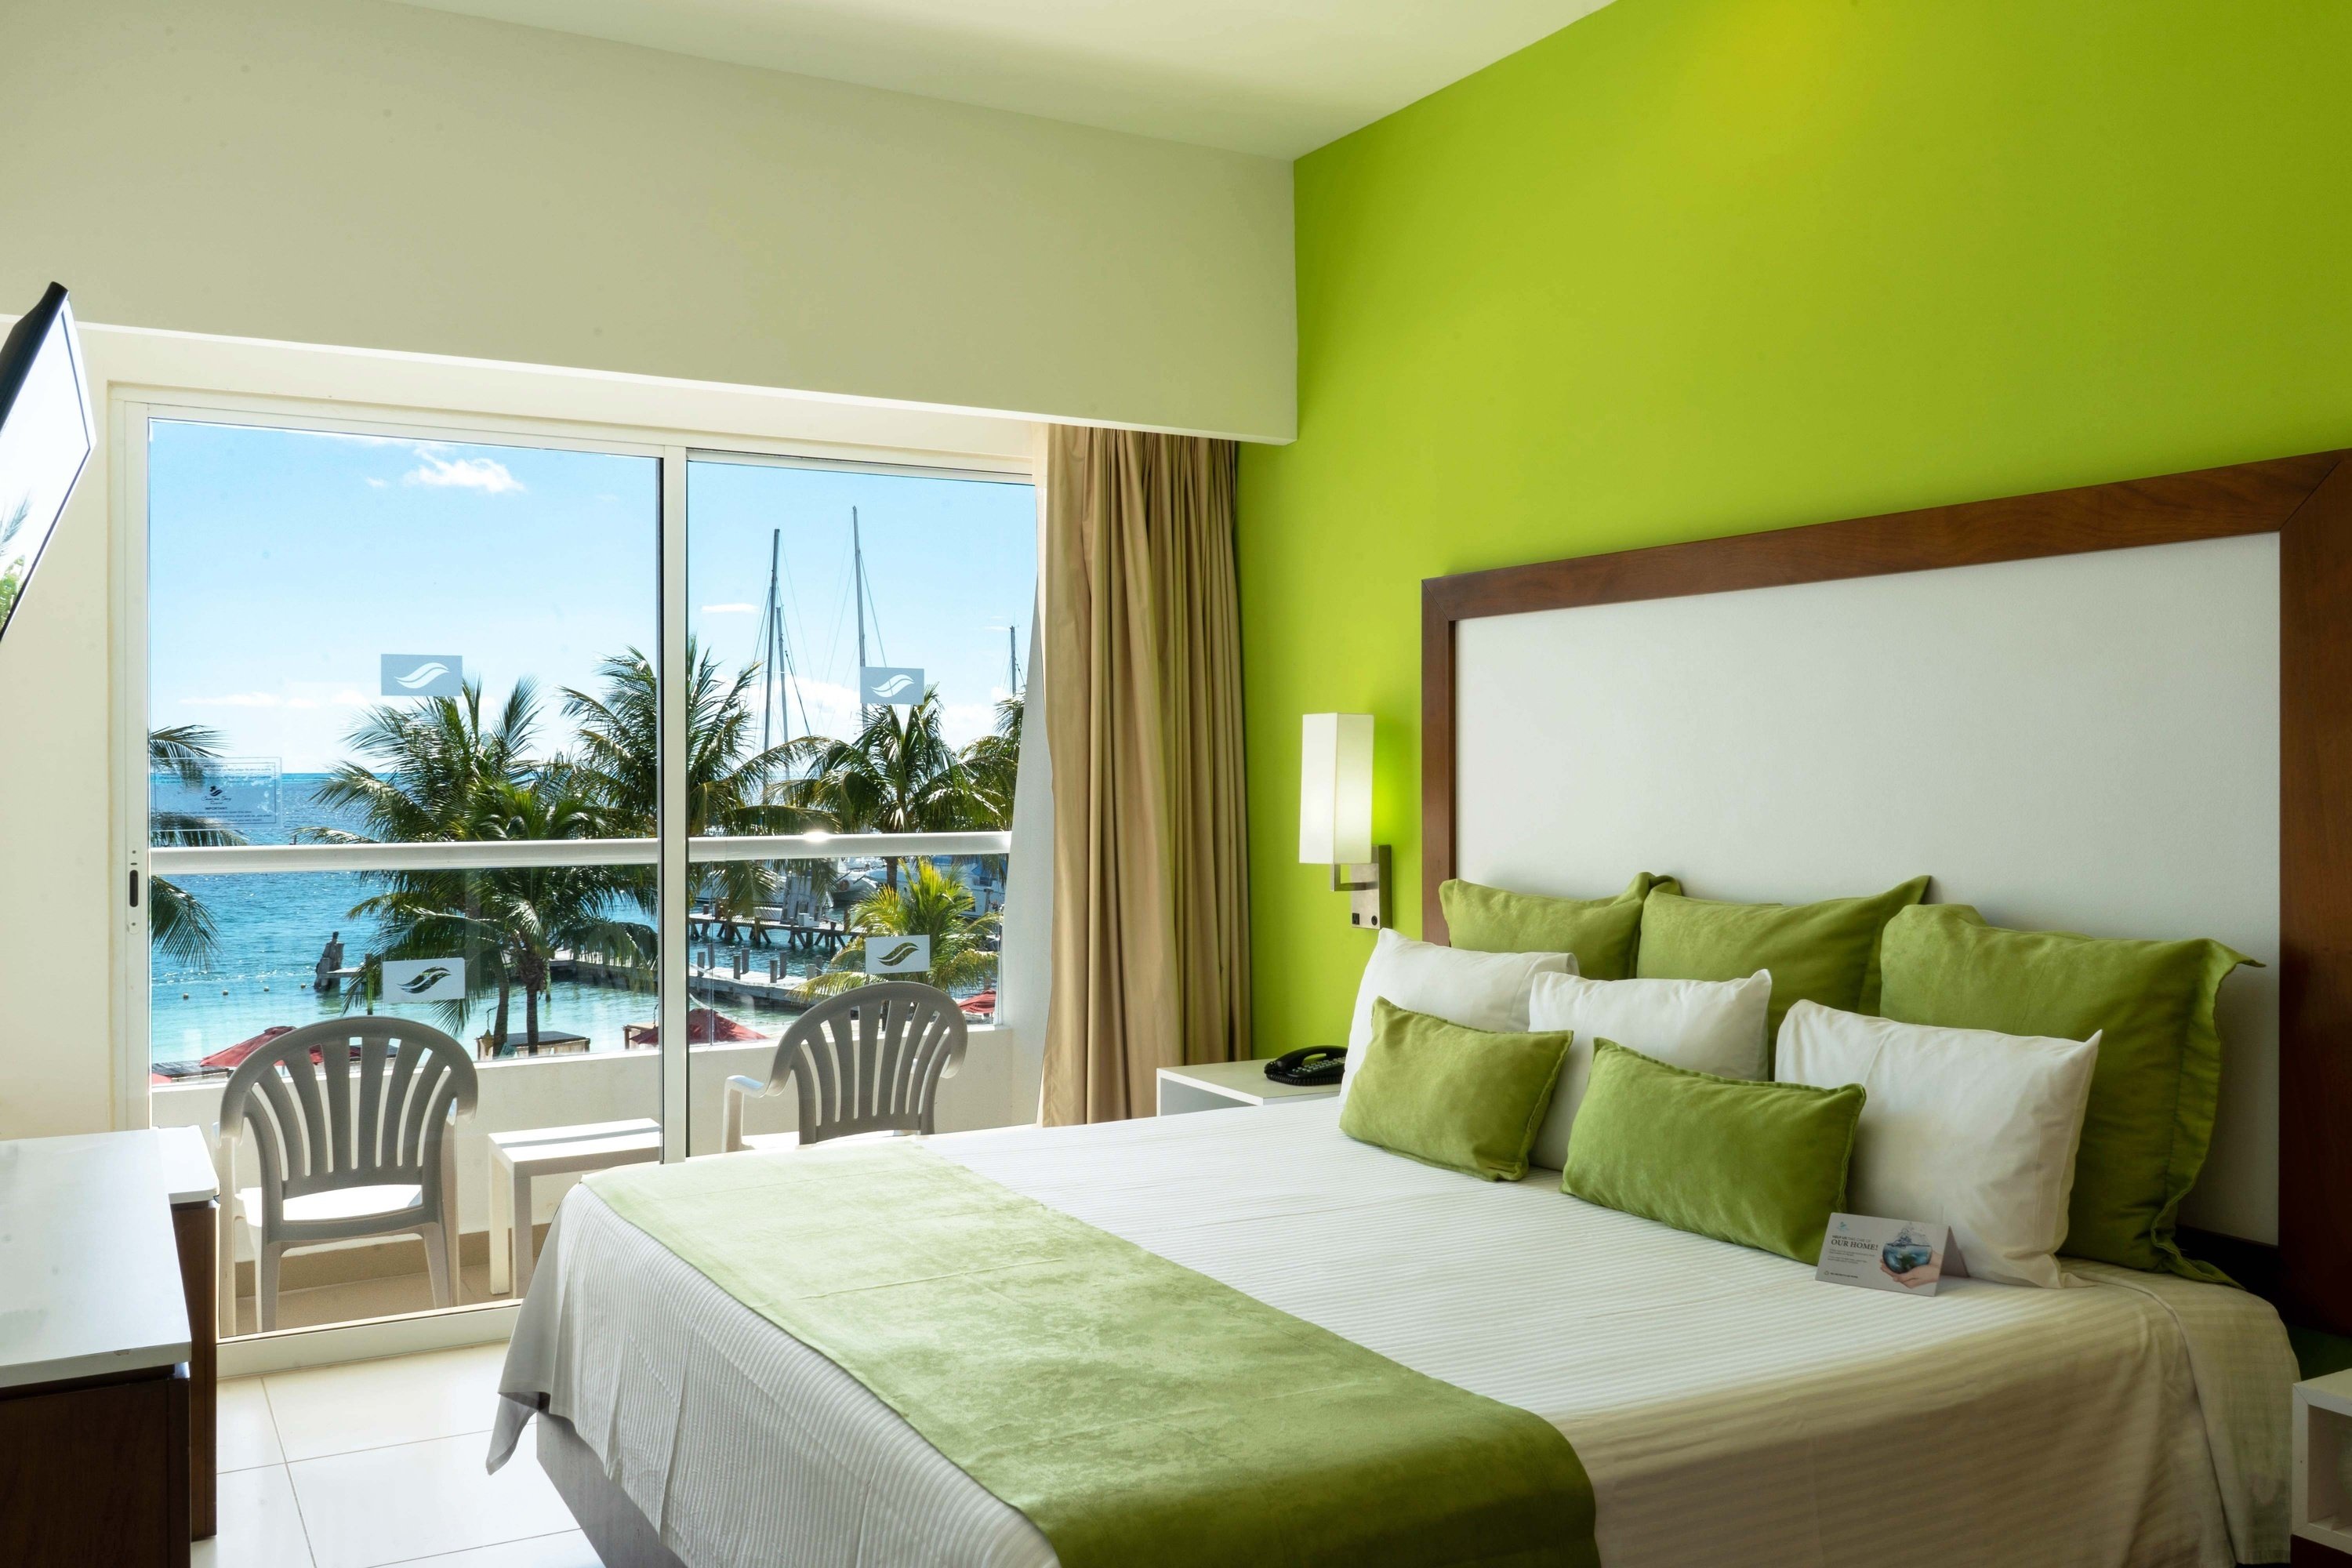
272	929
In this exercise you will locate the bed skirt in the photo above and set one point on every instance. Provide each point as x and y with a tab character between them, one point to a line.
621	1535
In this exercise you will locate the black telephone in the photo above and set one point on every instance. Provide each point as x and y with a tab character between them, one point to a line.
1315	1065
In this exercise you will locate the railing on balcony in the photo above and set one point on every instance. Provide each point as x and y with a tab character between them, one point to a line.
233	859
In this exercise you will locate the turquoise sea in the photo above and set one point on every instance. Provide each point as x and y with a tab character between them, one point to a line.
271	929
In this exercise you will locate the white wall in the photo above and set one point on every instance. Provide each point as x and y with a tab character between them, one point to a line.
358	172
62	806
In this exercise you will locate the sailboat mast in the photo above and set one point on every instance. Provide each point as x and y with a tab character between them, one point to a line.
1012	666
771	639
857	563
784	682
857	592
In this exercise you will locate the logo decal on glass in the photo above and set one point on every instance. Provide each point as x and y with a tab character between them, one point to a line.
239	793
890	685
897	954
423	674
424	979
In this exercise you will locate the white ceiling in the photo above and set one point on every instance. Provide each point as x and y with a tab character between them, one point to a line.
1275	77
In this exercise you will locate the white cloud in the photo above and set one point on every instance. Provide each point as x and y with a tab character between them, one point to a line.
964	722
831	708
375	484
729	609
484	474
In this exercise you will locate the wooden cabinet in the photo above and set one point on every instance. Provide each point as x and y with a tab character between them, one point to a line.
96	1347
96	1471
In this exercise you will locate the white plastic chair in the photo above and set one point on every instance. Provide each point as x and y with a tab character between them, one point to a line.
867	1062
354	1144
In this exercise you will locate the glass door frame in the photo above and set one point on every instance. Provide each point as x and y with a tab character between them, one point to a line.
130	414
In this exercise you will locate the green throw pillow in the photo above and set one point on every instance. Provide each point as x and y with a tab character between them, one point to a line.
2151	1110
1762	1164
1602	932
1825	953
1450	1095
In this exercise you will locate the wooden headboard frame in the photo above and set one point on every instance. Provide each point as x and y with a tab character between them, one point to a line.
2308	501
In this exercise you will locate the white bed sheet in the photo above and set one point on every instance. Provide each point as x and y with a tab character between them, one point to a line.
1726	1405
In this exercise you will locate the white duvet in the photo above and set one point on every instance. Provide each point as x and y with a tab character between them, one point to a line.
1727	1407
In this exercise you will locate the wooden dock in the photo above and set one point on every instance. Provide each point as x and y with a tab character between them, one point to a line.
710	977
767	928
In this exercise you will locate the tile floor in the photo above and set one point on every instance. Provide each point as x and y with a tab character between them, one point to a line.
380	1463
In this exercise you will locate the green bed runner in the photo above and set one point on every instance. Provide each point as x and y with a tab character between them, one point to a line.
1138	1412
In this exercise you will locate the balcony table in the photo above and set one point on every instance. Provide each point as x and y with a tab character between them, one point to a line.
518	1159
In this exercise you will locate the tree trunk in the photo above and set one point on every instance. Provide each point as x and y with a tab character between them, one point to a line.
534	976
498	1023
890	869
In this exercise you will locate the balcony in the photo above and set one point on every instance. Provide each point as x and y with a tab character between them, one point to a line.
750	961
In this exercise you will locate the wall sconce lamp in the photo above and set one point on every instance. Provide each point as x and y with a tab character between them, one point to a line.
1335	814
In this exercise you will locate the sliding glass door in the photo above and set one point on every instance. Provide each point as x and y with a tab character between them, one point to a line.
580	753
856	643
391	773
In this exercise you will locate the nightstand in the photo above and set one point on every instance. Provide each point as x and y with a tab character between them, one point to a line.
2323	1469
1221	1086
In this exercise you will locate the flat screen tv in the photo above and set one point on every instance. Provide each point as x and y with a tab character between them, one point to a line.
46	436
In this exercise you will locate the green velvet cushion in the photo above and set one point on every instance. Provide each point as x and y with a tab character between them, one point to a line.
1602	932
2150	1115
1762	1164
1825	953
1450	1095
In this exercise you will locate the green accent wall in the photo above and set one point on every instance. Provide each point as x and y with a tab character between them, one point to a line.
1690	268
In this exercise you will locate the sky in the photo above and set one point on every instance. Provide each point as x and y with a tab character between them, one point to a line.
283	564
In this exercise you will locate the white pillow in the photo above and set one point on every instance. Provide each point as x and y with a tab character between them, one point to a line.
1483	990
1709	1025
1970	1128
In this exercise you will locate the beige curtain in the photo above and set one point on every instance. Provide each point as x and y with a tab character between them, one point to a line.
1143	715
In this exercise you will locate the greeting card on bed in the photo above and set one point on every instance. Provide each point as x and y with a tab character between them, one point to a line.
1910	1257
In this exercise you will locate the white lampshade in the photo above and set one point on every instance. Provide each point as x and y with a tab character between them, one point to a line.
1335	790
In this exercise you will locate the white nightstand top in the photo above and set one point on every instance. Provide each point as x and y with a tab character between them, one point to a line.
2332	1393
1244	1083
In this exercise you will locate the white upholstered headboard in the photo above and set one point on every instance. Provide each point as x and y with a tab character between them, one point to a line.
2094	710
2085	743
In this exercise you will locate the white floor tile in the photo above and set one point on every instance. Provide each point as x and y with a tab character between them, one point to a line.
375	1404
380	1506
260	1526
569	1550
246	1434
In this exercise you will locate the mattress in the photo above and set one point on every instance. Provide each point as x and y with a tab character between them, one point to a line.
1726	1405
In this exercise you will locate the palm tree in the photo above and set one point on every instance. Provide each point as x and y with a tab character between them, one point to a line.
932	903
178	924
994	762
510	922
434	762
730	784
896	775
449	775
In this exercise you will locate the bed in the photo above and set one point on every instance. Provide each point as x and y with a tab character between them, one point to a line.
1723	1404
1727	1407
